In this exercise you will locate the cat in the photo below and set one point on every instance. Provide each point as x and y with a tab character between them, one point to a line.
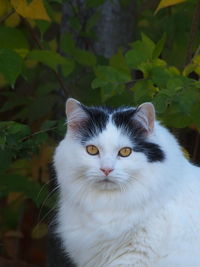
128	196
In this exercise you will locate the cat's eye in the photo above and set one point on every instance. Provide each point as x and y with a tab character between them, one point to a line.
92	150
125	152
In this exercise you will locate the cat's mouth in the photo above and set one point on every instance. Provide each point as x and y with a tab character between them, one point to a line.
106	184
106	180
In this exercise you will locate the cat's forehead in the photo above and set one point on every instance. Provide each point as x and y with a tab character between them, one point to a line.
111	137
107	123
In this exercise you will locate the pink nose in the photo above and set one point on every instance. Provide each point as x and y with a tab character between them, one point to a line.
106	171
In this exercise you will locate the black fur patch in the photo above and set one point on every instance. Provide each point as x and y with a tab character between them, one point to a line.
95	124
124	119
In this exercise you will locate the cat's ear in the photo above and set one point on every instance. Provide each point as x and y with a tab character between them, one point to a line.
75	113
145	115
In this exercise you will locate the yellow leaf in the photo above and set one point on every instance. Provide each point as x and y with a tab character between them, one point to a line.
34	10
22	52
196	61
174	70
188	69
5	7
167	3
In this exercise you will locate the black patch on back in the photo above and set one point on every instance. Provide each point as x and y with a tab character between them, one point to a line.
95	124
124	119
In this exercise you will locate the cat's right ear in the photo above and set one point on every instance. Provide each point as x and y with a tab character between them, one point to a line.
75	113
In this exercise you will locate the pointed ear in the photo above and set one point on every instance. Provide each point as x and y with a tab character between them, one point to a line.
145	115
75	113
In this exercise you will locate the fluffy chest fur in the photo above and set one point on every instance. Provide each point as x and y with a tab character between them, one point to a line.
137	210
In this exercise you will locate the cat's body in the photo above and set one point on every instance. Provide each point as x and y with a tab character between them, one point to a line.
145	211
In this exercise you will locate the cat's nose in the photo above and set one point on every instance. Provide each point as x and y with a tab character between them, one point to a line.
106	171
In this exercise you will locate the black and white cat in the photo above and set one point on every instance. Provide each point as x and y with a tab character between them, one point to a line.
128	196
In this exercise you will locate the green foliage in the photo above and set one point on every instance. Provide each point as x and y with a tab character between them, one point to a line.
10	65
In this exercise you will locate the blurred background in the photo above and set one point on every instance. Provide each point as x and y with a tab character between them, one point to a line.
110	52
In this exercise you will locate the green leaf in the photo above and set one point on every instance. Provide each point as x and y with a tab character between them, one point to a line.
161	101
159	47
186	99
68	67
43	25
148	42
118	61
48	58
110	74
12	38
67	43
142	91
5	159
160	76
97	82
110	90
18	183
92	21
10	65
174	118
138	54
94	3
48	125
84	57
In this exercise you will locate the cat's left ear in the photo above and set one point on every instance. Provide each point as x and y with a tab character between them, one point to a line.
145	115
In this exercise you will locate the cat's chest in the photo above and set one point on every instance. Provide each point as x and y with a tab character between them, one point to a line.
113	234
99	222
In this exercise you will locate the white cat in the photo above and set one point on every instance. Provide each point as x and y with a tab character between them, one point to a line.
128	196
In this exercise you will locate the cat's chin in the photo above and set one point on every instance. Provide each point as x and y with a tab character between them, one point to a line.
106	185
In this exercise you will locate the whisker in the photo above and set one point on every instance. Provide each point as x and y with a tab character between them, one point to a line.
45	200
41	189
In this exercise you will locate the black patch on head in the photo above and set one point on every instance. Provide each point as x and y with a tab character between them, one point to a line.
124	119
94	124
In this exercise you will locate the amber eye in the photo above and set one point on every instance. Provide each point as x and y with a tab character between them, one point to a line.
92	150
125	152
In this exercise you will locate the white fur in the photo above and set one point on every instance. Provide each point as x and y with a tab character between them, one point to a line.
149	217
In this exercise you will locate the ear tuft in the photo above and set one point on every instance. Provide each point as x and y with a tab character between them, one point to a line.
71	105
75	113
145	115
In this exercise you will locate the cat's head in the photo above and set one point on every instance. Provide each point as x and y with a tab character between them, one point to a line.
107	148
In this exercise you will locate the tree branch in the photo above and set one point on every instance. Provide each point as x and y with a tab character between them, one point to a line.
7	15
40	46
